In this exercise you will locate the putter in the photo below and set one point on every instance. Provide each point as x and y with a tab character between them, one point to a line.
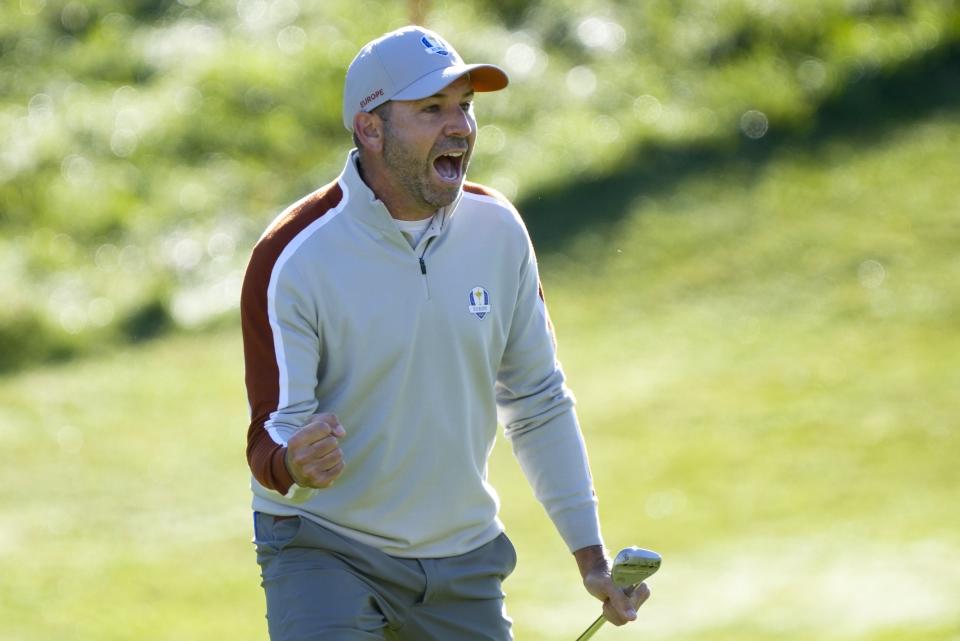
631	567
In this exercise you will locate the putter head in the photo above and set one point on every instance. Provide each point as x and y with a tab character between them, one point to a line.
633	565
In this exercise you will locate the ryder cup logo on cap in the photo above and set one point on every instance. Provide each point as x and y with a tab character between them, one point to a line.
434	46
410	63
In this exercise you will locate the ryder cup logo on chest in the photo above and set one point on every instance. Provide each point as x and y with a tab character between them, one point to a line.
479	302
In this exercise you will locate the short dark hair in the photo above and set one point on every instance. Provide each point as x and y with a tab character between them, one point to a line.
381	110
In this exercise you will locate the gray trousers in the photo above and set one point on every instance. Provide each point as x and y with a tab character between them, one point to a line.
323	586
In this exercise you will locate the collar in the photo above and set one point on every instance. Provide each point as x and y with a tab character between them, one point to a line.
366	207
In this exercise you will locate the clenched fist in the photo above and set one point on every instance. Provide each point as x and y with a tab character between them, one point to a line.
313	455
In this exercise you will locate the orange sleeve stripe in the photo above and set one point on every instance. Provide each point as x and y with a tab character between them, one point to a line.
262	374
483	190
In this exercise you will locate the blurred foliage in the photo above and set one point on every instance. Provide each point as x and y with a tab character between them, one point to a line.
144	145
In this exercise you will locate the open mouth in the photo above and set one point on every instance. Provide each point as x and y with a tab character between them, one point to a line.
449	166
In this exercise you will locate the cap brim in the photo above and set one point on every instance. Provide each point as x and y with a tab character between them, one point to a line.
482	77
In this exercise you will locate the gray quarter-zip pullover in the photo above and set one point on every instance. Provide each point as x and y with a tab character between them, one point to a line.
419	351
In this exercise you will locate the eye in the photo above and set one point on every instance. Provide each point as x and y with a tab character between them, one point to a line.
466	106
431	109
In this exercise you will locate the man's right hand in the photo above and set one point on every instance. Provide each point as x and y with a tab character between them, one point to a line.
313	455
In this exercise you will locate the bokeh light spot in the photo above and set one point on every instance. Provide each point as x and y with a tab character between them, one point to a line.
187	254
284	11
221	245
251	11
491	139
132	259
129	118
521	58
926	35
598	33
77	170
32	7
663	504
193	196
124	96
107	257
291	40
871	274
63	246
124	142
194	306
581	81
73	318
812	74
40	106
505	184
606	129
100	312
74	16
647	108
754	124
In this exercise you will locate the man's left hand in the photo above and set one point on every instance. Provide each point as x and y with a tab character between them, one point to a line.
618	606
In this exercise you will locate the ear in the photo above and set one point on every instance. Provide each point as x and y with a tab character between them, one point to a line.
368	128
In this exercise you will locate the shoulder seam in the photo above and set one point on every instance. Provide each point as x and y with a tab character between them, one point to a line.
289	250
482	191
297	207
486	197
267	382
490	199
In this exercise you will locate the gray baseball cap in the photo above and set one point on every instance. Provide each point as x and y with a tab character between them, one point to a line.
409	64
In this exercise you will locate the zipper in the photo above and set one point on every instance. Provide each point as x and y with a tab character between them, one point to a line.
423	267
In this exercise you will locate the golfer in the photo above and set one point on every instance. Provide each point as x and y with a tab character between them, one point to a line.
390	320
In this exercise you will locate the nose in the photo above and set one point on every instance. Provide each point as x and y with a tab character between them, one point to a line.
460	123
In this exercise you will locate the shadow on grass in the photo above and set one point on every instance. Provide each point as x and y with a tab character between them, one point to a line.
860	113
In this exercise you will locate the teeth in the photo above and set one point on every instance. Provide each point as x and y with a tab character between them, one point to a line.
455	154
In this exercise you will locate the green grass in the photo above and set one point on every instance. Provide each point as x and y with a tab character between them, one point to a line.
766	363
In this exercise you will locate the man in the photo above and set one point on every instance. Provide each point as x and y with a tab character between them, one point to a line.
389	319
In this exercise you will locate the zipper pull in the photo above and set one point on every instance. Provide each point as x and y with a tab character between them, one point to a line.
423	264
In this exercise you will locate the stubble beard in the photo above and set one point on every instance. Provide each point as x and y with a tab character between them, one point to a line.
414	174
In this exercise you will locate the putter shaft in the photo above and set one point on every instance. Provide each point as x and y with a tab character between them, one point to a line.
596	625
589	632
